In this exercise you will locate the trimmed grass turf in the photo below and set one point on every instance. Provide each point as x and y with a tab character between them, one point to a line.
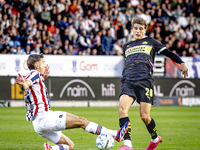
179	128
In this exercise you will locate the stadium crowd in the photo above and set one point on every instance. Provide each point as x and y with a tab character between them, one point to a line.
96	27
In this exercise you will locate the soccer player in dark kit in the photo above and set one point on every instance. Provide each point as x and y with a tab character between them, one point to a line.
137	80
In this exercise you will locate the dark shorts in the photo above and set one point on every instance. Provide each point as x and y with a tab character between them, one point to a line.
142	90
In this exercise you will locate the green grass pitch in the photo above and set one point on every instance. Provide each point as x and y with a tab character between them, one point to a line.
179	128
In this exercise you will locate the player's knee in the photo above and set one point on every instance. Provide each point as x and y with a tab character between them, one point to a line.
83	122
122	110
144	118
71	146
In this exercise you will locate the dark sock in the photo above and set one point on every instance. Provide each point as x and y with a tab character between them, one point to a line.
151	127
122	122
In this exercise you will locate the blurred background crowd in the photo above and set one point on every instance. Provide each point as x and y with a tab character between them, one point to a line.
96	27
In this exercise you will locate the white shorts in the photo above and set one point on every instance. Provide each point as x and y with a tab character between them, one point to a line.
50	124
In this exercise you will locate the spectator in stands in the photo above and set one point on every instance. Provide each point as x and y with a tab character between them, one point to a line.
196	25
37	35
92	40
5	21
19	51
5	45
65	46
45	15
107	43
87	52
56	35
58	22
197	54
58	44
27	49
31	21
39	44
70	50
51	27
117	48
178	11
61	6
94	52
73	35
182	20
1	43
12	50
66	12
84	41
88	25
55	52
80	30
73	7
54	13
37	9
45	51
60	52
36	50
65	35
50	49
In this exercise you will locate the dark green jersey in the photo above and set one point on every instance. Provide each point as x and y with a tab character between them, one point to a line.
139	58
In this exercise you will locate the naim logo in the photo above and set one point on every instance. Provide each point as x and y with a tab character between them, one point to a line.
77	91
183	91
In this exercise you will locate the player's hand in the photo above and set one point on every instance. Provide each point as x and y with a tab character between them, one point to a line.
184	70
20	80
47	72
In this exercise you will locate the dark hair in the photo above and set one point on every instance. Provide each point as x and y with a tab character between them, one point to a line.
140	21
32	59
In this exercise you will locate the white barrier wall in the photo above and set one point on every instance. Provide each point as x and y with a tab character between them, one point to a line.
76	66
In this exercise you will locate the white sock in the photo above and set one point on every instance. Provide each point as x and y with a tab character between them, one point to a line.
154	140
98	129
60	147
108	131
128	143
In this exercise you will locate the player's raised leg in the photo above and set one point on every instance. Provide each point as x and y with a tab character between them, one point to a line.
150	125
73	121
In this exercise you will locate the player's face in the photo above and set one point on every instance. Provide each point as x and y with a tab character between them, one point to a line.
41	66
138	31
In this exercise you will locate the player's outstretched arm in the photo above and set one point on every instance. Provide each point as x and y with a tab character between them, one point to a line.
184	70
177	59
23	84
47	72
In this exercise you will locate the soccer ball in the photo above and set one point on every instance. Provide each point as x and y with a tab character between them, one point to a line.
104	142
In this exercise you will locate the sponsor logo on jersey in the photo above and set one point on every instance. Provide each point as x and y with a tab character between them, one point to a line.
138	49
145	42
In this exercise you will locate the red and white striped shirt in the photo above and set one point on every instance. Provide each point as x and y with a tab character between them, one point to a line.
36	97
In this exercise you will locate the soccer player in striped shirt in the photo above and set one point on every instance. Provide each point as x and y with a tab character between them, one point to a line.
47	123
